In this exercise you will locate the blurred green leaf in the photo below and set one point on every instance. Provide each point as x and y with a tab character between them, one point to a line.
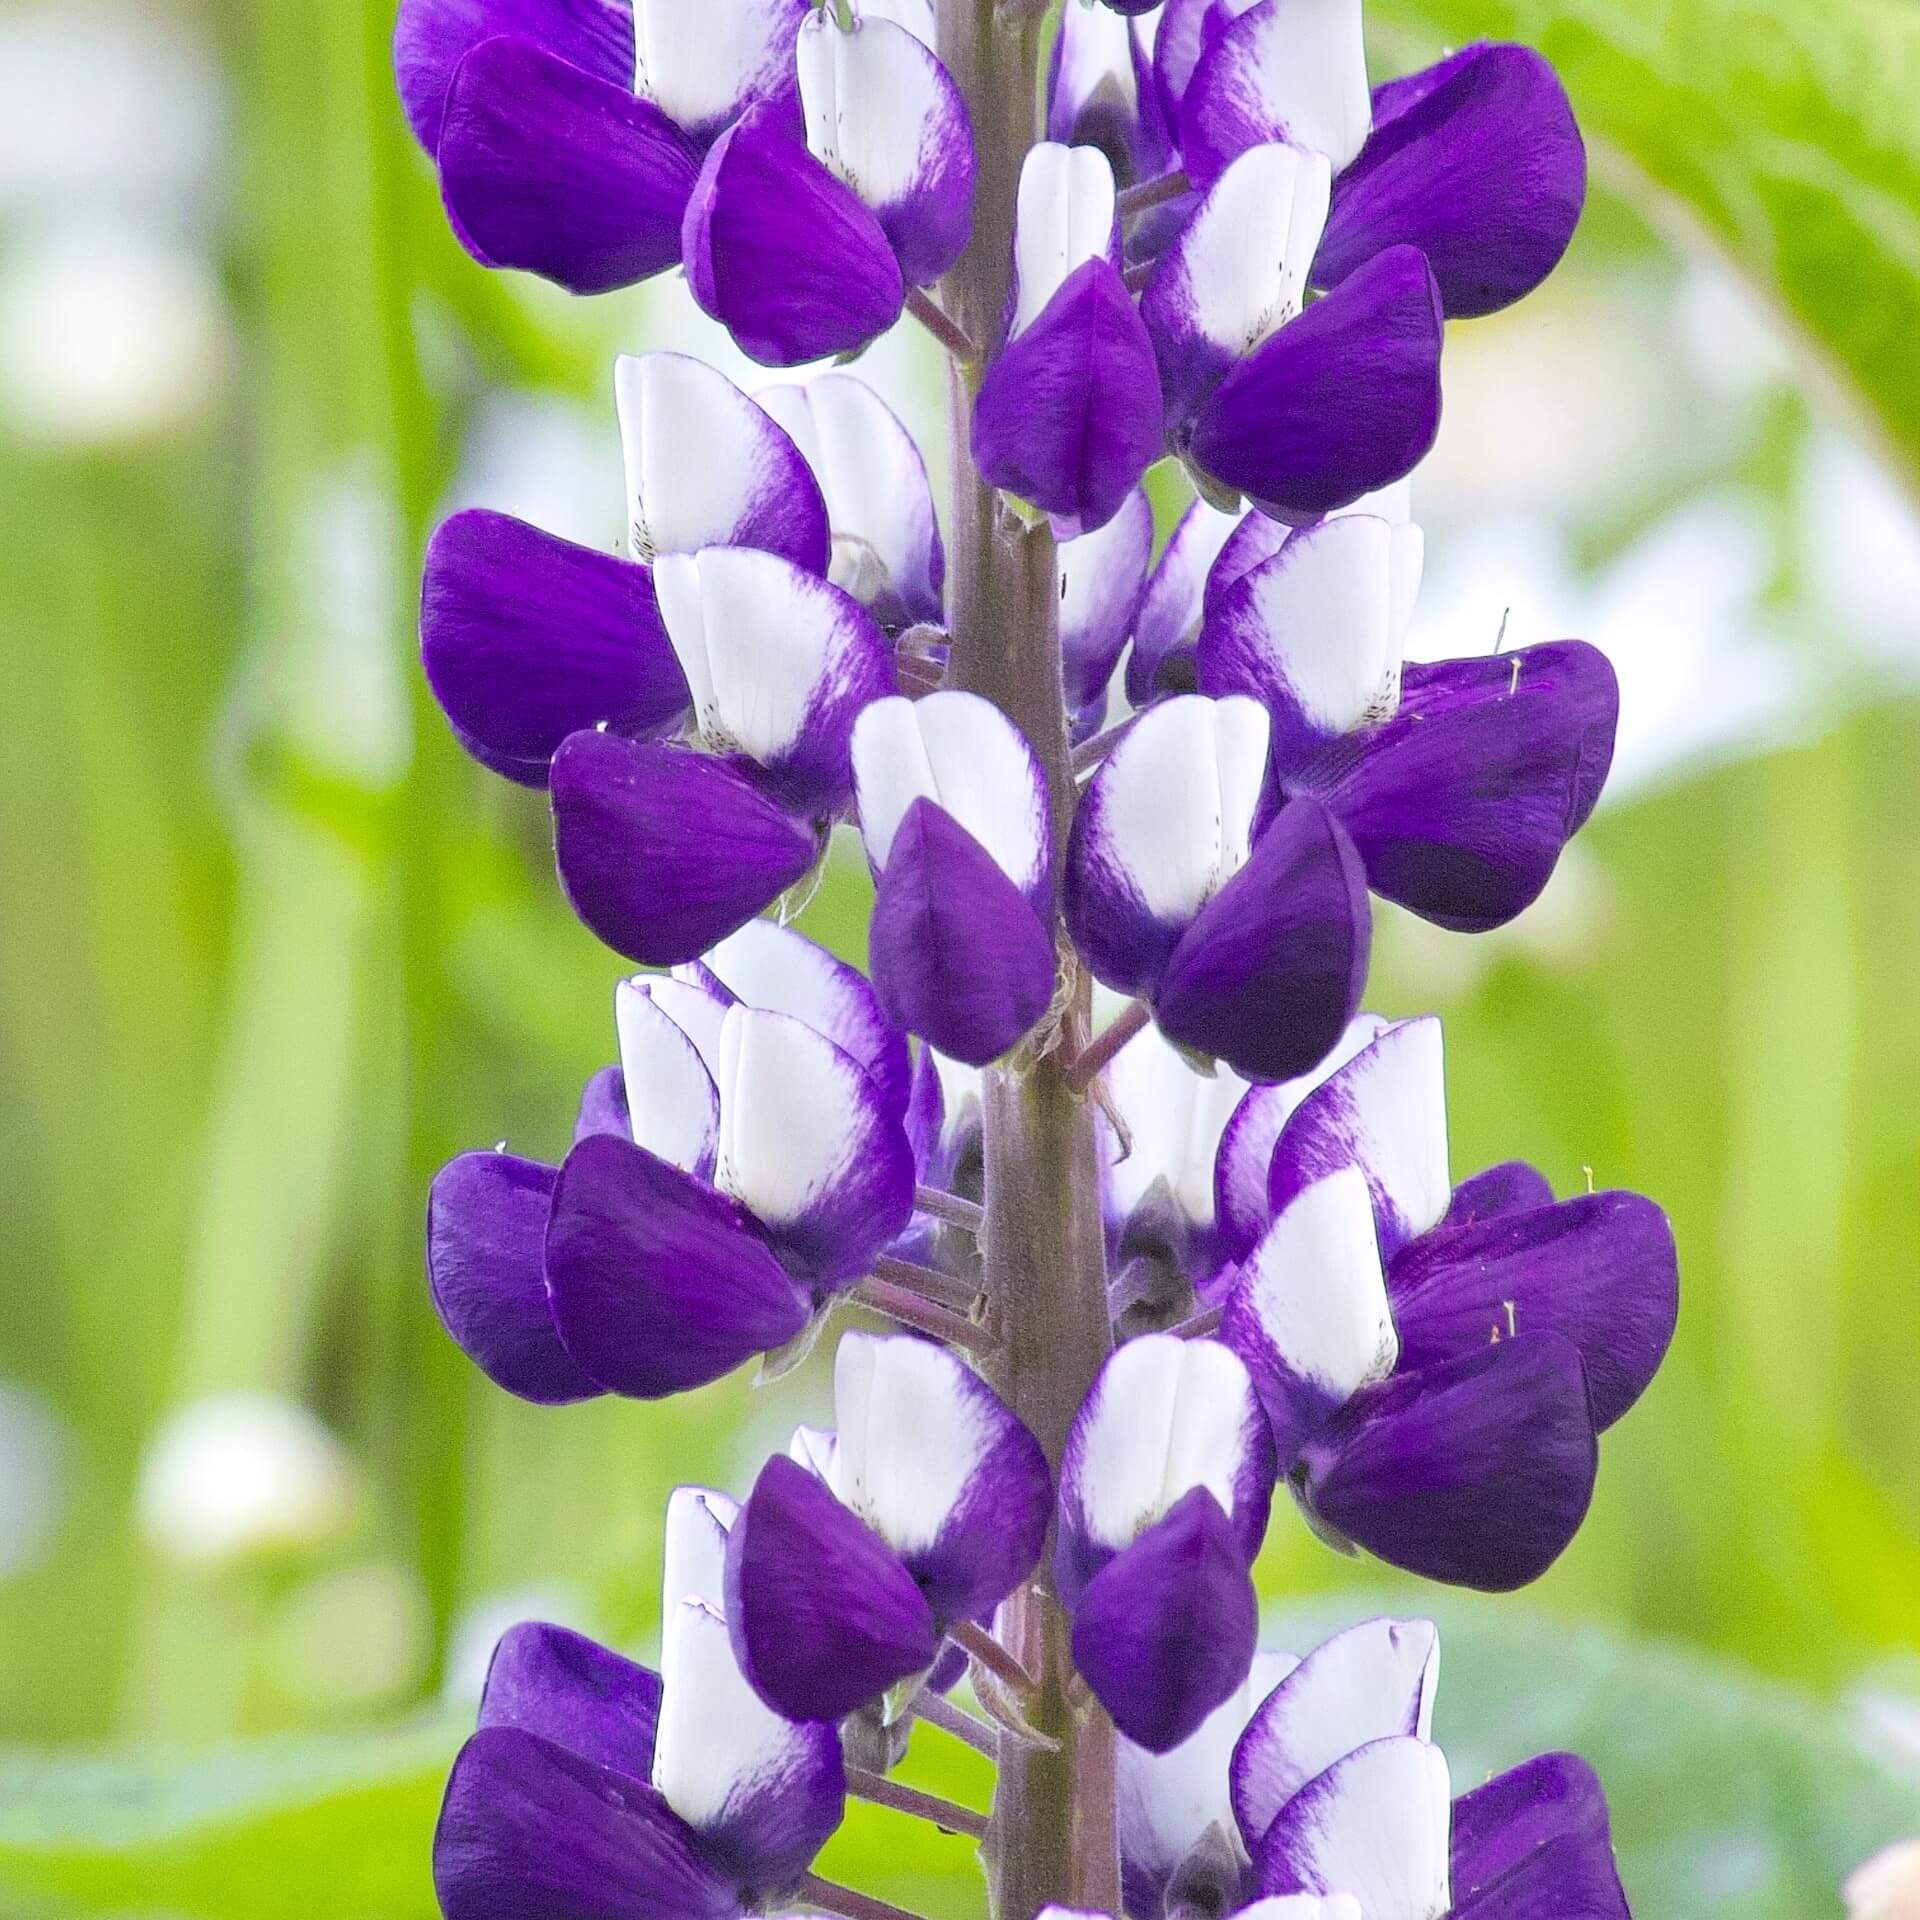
1781	131
281	1829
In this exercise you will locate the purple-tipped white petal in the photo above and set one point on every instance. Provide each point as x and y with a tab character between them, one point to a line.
886	541
1292	70
1065	216
965	755
707	467
1385	1112
935	1463
1101	575
884	115
1255	539
1164	824
782	252
705	66
1100	91
1308	1312
1246	1147
808	1147
1374	1825
1317	634
773	967
762	1792
1170	609
672	1108
1187	28
1165	1803
779	663
693	1553
1238	270
1375	1681
1174	1118
1163	1417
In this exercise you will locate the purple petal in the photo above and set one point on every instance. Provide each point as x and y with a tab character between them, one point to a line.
1600	1270
576	1693
1163	1416
823	1616
780	970
1169	619
1284	70
1187	29
942	1469
1477	1472
1164	827
1214	295
808	1145
886	117
708	467
1101	577
1068	416
1461	803
551	169
1371	1682
603	1106
1479	163
1384	1111
958	955
527	1827
1373	1826
1271	971
663	852
1254	539
1340	402
886	537
486	1226
783	254
659	1283
1510	1187
527	638
926	1119
1533	1844
1165	1631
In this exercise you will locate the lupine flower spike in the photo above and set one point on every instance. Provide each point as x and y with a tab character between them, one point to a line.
1140	1271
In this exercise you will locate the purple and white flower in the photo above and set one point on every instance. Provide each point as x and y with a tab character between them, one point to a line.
1068	416
1244	926
953	808
850	1559
594	1786
1101	577
1437	1362
1101	92
1458	782
1164	1493
751	1162
568	133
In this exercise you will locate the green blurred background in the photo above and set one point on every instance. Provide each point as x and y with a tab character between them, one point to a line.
271	949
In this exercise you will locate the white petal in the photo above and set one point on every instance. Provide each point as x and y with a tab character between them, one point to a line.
879	504
1377	1826
913	1433
1176	800
1314	1290
715	1731
793	1114
1385	1111
1305	65
1064	219
696	1010
1375	1680
1246	1148
818	1450
915	15
1174	1118
1171	1416
672	1107
705	465
1303	1906
965	754
1100	575
868	98
1392	503
1095	64
1166	1801
1247	251
699	64
693	1558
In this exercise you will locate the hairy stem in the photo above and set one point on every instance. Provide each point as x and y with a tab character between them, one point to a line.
1051	1838
947	1814
939	1712
914	1310
941	1288
831	1897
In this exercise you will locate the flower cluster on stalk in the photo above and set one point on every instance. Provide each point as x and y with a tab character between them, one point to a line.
1232	254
